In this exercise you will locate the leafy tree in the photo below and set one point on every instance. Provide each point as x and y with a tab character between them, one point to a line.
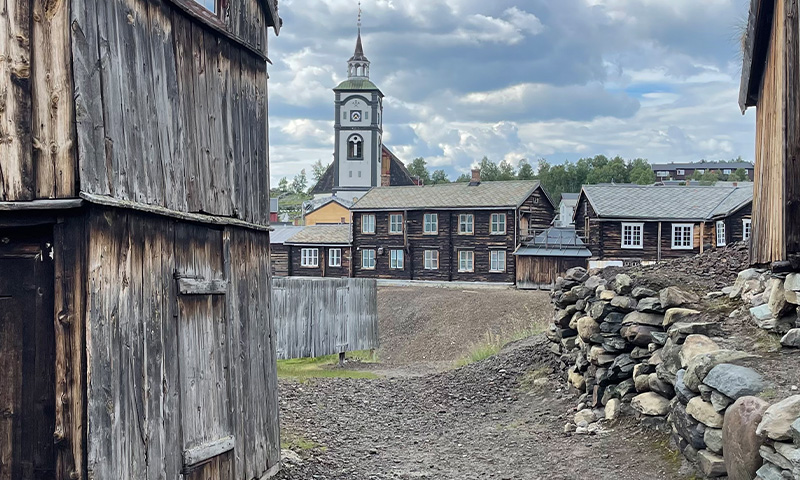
318	170
490	172
418	168
300	182
739	175
640	172
613	171
506	171
525	170
283	185
709	177
439	176
464	178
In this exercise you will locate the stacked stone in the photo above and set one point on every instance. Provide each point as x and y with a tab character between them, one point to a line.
779	431
774	299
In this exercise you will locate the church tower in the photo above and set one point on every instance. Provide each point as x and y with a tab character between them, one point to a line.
358	127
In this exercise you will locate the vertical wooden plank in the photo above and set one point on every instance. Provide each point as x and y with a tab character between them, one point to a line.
53	107
94	174
200	112
186	124
115	110
234	123
247	105
231	267
11	344
168	104
17	177
792	166
171	414
70	421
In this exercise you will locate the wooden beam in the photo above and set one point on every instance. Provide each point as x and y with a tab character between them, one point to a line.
203	453
41	205
199	286
659	242
189	217
702	236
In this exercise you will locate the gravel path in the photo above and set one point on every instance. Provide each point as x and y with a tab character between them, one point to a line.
486	420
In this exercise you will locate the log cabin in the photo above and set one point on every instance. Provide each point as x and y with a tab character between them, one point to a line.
633	224
447	232
320	251
279	251
135	337
771	83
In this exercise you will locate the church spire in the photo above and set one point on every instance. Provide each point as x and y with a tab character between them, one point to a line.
358	65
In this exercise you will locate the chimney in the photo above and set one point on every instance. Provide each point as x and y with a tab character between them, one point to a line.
735	184
476	177
385	180
386	169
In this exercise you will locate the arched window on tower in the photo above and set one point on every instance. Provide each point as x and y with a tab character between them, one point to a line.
355	148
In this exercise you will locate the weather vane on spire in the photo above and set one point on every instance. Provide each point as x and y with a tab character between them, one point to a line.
359	17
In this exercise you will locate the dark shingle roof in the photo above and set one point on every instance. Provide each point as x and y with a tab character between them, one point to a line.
322	235
399	175
448	196
555	242
702	166
666	202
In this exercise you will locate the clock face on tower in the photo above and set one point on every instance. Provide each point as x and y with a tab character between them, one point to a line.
355	116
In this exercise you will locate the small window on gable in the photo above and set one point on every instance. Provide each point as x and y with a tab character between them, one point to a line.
355	148
747	227
210	5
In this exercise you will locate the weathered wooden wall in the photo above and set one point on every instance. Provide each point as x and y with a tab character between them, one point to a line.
175	115
768	234
296	268
37	137
180	348
534	273
279	259
315	317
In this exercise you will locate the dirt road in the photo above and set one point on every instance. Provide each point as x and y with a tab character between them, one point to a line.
501	418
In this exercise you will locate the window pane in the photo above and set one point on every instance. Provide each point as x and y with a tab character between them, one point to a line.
209	5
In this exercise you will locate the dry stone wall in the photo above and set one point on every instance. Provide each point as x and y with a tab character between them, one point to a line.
634	350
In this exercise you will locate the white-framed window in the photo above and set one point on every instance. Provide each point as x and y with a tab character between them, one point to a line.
700	171
497	261
466	224
662	174
431	224
682	236
431	260
498	224
335	257
681	171
368	223
396	260
309	257
721	239
368	259
726	171
466	261
747	228
396	224
633	235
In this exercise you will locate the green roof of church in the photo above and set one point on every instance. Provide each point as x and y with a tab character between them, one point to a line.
357	84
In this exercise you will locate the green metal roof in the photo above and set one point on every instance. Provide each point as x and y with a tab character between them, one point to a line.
357	84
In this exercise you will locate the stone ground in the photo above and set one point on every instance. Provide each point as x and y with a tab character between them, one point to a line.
501	418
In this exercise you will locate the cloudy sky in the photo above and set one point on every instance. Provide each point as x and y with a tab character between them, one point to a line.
512	79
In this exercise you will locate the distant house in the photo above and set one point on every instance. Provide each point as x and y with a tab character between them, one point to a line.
631	223
327	211
683	171
447	232
770	82
273	210
279	251
566	209
548	255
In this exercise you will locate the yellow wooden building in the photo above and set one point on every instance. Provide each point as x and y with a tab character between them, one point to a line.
328	211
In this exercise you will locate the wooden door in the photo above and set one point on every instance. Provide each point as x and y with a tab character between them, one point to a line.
27	358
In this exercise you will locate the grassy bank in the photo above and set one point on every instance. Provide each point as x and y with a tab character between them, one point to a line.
325	367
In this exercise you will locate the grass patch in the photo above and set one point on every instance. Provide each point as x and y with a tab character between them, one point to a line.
492	343
325	367
528	382
767	342
298	443
768	394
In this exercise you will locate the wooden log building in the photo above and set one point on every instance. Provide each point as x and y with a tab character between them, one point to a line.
447	232
135	332
771	83
547	256
631	224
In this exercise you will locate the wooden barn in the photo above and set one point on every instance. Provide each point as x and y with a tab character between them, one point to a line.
771	83
135	334
549	255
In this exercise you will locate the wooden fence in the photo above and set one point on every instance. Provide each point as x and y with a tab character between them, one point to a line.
324	316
